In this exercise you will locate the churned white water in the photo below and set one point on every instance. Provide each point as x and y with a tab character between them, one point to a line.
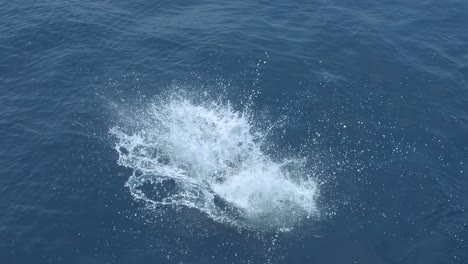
210	157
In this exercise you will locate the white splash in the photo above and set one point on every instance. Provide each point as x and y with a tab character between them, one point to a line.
208	157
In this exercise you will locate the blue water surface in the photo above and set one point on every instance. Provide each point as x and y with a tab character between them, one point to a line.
380	86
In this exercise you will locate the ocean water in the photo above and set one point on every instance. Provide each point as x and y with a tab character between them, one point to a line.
233	132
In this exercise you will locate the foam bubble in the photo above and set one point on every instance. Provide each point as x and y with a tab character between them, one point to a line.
210	157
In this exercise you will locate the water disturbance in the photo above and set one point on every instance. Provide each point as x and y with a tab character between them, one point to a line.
210	157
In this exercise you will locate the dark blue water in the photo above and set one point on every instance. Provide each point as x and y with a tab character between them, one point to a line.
378	90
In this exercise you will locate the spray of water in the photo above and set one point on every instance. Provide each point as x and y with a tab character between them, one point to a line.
209	157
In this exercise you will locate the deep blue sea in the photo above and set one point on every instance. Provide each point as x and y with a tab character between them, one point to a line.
206	131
